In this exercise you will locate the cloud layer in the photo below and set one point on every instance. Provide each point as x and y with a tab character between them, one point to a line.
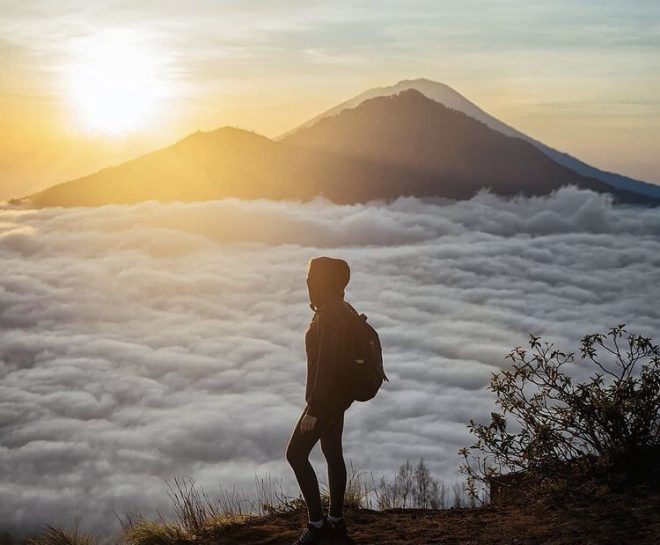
146	341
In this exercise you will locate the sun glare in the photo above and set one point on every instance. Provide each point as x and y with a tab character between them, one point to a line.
114	83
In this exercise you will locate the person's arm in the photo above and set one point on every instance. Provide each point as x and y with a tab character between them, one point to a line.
328	355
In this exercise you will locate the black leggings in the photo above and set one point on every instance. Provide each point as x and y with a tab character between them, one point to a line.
328	430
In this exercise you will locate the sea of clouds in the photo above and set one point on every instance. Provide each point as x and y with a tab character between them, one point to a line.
143	342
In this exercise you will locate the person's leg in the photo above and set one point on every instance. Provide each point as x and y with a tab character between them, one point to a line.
297	454
331	445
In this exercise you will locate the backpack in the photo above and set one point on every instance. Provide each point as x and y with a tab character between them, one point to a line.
364	373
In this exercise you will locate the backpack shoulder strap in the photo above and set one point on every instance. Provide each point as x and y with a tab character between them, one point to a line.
351	308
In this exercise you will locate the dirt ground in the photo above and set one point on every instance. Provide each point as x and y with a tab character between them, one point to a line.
589	517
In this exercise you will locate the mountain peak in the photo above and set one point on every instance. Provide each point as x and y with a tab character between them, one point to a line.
449	97
439	92
226	132
418	83
436	146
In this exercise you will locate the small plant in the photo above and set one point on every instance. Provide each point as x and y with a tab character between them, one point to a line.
58	536
195	515
272	499
413	487
560	423
359	493
358	490
141	531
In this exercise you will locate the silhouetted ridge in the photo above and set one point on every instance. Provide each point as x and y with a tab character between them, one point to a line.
386	147
447	96
412	132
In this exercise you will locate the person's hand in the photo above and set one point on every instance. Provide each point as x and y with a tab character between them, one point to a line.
307	424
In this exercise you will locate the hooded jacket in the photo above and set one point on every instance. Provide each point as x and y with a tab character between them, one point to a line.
326	344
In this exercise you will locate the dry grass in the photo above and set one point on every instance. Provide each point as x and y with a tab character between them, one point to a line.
196	515
59	536
198	518
146	532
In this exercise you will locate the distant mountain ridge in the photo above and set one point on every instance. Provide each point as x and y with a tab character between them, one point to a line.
411	131
382	147
444	94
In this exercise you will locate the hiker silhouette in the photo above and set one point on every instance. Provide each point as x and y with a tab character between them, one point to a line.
326	400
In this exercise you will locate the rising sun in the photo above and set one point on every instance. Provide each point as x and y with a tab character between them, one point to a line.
114	83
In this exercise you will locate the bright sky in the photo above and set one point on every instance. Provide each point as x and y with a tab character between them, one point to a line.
89	84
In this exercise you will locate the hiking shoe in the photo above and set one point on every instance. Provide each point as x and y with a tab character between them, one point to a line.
313	535
337	532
